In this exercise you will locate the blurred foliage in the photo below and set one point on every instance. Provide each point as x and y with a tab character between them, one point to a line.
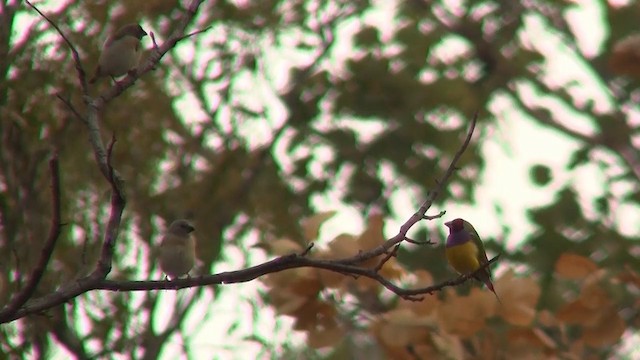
223	133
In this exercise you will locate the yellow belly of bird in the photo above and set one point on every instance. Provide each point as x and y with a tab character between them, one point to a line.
463	258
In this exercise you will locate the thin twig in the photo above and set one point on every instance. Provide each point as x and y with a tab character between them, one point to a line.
306	251
153	41
193	34
390	254
69	105
417	242
420	214
74	52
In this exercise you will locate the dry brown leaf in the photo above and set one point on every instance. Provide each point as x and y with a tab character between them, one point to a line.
332	279
309	287
519	298
422	350
606	333
546	318
373	235
450	347
629	276
286	303
429	303
284	247
625	58
461	315
311	225
593	296
574	267
343	245
577	313
329	279
400	327
315	315
392	270
546	340
320	338
517	336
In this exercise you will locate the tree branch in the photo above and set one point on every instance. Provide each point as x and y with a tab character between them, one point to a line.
118	203
422	211
97	281
27	292
76	57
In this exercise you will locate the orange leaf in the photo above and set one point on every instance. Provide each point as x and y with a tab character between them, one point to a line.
343	245
284	247
320	338
576	312
607	332
574	267
462	315
519	298
311	225
625	59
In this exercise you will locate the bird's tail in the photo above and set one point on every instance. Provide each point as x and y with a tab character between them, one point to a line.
485	277
490	287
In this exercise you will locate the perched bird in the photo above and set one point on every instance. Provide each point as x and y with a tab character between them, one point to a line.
120	53
178	249
465	252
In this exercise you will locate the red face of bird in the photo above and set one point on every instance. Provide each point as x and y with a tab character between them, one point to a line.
455	225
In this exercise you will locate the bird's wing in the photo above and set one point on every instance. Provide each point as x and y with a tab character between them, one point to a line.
482	255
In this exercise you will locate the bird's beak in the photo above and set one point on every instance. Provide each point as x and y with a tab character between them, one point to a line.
448	224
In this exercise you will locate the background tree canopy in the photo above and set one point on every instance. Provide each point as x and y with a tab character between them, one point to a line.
282	110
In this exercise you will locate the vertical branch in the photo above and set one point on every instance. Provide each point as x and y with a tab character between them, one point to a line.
118	203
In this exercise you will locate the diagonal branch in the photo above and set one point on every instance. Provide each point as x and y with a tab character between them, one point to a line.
422	211
76	57
282	263
347	266
27	292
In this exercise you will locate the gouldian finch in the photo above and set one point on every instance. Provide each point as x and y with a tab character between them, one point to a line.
465	252
177	249
120	53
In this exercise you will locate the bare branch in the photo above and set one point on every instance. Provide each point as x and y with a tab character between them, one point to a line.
97	279
76	57
193	34
392	253
118	203
421	213
276	265
69	105
27	292
306	251
416	242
